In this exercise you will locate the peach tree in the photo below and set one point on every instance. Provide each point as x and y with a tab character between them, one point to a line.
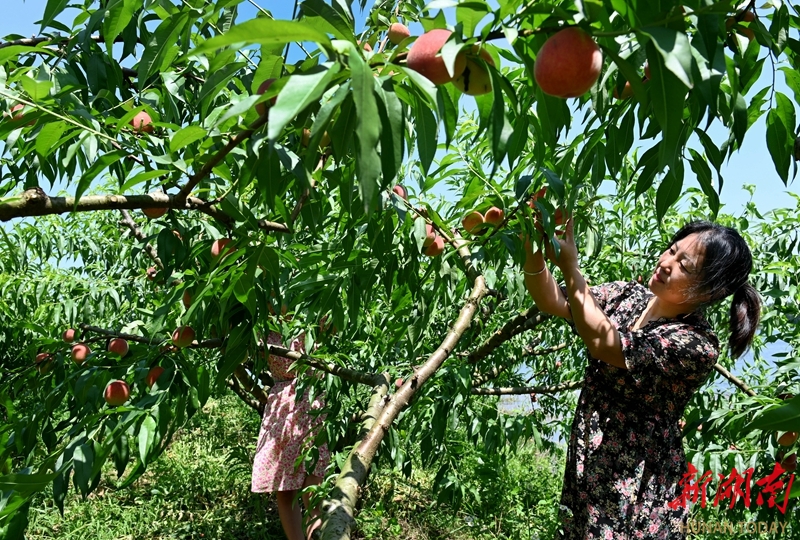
175	179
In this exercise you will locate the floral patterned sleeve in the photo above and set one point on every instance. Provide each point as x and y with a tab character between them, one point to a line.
673	350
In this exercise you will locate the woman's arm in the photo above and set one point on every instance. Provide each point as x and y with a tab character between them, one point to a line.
591	323
541	286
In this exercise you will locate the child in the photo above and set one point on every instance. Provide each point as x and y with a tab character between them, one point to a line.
286	431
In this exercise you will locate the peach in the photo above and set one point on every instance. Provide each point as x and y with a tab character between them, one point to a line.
424	57
154	213
324	141
788	438
69	335
401	191
142	123
183	336
627	91
430	235
118	346
494	216
43	363
398	383
117	393
473	222
436	248
397	33
789	463
151	273
187	299
261	108
475	80
80	353
153	375
219	245
15	115
568	64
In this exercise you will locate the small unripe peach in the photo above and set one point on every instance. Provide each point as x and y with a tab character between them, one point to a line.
69	335
80	353
324	141
118	346
397	33
436	248
473	222
117	393
142	123
183	336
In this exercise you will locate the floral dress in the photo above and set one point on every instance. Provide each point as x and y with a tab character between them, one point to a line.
625	453
287	429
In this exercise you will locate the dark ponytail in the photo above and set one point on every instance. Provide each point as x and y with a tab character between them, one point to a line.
727	264
745	314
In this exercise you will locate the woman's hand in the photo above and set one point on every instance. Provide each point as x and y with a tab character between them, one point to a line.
567	258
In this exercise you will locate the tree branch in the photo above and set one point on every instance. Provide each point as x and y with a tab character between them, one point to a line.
209	165
234	385
339	507
734	380
338	513
347	374
137	233
522	322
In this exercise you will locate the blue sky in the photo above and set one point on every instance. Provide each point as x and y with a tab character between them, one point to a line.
752	165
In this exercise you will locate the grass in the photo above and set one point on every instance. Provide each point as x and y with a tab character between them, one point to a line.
200	489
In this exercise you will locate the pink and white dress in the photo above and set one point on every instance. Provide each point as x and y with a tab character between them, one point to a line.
287	429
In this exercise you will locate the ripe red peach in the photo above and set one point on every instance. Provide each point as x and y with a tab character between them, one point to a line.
568	64
424	57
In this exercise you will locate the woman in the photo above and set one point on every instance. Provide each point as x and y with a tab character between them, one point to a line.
286	429
649	351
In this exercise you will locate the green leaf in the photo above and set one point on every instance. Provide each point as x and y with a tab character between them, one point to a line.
118	14
777	417
668	99
703	173
102	163
37	90
161	50
185	137
143	177
53	9
300	91
427	132
83	459
675	49
393	131
8	53
670	190
368	131
470	15
147	434
48	137
334	20
264	31
780	137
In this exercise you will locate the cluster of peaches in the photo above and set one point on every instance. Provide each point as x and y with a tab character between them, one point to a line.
117	392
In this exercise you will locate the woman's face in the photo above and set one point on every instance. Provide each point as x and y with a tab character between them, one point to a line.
678	271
